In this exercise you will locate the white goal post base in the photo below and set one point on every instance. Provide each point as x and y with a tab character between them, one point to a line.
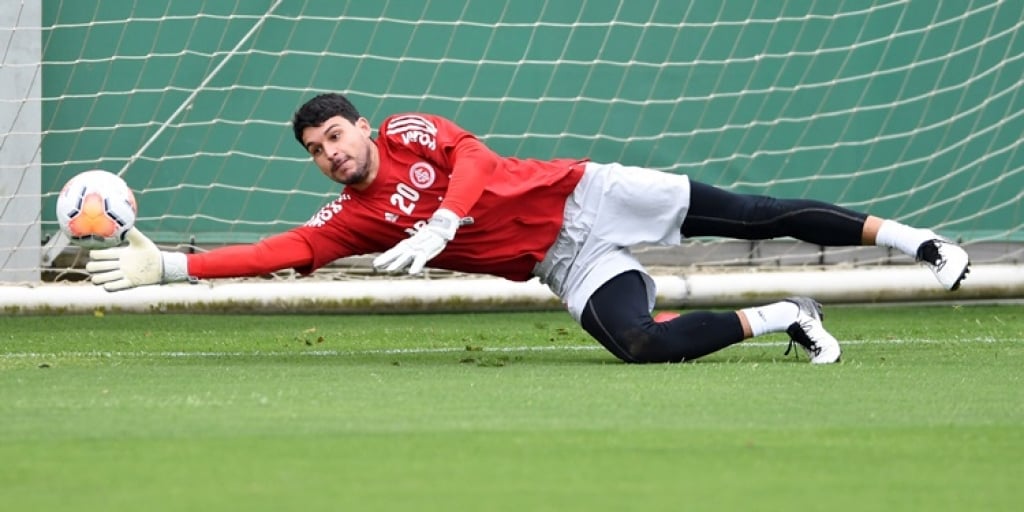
715	289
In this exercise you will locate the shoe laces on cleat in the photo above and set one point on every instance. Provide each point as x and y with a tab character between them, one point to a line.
809	333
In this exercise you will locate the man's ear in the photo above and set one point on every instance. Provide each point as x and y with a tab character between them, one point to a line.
364	126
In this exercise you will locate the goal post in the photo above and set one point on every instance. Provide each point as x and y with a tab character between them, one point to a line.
907	109
20	135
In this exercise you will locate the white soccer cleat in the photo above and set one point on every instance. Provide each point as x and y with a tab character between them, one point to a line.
808	332
948	261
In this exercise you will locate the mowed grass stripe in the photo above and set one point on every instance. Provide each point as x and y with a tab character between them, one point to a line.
444	350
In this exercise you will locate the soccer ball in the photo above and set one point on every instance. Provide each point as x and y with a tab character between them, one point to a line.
95	209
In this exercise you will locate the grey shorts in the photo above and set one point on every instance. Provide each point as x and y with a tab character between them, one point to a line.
613	209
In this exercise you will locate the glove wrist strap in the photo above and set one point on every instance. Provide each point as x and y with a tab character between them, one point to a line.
175	267
445	222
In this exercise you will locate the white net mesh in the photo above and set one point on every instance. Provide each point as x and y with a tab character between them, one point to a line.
909	109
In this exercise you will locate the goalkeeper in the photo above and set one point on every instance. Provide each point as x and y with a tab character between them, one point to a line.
426	191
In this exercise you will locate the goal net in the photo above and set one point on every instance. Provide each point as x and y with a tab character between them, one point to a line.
907	109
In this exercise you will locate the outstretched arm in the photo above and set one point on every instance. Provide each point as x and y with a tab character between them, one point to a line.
142	263
285	250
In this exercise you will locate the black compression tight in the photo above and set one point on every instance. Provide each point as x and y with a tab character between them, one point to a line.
617	316
717	212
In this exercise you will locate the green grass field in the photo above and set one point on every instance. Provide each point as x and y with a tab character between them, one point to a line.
504	412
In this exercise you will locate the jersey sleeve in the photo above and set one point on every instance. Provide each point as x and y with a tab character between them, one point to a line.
285	250
448	145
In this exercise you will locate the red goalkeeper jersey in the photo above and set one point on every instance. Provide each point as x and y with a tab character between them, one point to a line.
513	208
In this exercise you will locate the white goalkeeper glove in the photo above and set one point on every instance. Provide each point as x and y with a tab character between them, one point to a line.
414	252
141	263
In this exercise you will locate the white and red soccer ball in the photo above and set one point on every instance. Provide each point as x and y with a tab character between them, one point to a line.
95	209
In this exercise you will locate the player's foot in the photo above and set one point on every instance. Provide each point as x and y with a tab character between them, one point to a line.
808	332
948	261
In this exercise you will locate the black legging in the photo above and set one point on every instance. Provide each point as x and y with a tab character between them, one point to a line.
717	212
617	315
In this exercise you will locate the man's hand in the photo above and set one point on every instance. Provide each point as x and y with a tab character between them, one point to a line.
415	251
141	263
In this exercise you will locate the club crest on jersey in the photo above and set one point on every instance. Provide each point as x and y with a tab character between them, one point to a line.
422	175
414	129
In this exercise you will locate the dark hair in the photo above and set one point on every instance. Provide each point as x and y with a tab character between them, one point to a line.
321	108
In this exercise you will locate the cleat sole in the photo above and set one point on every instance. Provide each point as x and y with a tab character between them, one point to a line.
963	275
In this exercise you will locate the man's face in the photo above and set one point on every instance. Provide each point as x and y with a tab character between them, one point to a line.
343	151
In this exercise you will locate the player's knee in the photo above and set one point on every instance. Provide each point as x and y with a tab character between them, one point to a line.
645	344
